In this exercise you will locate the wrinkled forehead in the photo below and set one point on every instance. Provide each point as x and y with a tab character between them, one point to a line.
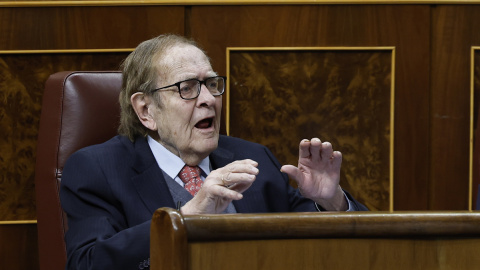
183	62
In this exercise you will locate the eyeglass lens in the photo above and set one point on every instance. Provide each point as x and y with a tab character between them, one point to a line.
191	88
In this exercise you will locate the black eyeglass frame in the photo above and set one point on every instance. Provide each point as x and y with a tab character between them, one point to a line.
177	84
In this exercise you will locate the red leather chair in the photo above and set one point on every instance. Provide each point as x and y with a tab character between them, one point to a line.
79	109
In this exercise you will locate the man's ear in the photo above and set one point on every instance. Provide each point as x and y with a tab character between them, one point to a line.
144	108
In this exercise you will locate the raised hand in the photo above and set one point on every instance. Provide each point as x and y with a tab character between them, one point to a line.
318	174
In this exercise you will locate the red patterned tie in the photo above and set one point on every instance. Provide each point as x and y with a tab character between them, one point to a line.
191	177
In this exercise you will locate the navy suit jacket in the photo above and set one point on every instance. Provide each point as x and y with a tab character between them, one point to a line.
110	191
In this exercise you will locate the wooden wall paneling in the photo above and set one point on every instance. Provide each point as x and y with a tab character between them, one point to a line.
409	28
341	95
22	77
29	40
475	130
373	254
18	246
454	32
432	95
405	27
474	173
38	28
22	83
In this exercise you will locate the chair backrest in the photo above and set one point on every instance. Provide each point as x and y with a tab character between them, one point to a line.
78	109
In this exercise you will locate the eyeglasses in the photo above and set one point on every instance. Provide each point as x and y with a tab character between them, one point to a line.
190	89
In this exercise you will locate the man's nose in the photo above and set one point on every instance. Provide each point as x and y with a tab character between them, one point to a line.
205	96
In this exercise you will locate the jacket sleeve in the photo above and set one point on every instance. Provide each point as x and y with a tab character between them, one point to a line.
98	235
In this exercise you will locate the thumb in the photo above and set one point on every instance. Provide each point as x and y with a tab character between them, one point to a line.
292	171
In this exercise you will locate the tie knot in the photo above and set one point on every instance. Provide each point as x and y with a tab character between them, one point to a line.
188	173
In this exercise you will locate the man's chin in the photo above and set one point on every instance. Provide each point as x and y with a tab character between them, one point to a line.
207	145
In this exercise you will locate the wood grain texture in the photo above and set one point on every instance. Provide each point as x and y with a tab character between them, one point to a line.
381	224
18	246
173	239
432	69
415	254
22	79
428	120
475	202
372	240
407	27
86	27
454	32
23	74
278	97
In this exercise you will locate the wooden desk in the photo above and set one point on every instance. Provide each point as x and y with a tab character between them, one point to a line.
367	240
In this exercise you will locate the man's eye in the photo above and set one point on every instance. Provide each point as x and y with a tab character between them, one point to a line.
186	89
213	85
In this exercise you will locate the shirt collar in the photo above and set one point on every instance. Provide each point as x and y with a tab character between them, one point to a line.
170	163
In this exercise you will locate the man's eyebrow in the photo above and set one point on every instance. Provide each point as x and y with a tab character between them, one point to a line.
210	75
186	77
191	77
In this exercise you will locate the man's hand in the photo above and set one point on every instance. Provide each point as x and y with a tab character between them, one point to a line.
221	187
318	174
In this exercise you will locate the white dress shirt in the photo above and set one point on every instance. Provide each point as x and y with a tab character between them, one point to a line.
172	164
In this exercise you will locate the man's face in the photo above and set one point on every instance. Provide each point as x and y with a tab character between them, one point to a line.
188	128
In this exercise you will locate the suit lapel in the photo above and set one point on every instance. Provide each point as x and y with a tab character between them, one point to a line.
220	157
150	182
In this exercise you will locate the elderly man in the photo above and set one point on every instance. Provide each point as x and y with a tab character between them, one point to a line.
169	154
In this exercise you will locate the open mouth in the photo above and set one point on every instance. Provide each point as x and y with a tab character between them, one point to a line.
205	123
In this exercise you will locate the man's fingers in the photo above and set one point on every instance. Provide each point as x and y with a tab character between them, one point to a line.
291	170
315	150
237	172
304	149
225	193
230	181
234	180
337	160
326	151
234	165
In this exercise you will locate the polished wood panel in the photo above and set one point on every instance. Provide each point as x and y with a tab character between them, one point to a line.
22	86
368	240
329	224
406	27
86	27
25	36
18	246
334	253
475	126
454	32
46	3
339	95
42	3
432	68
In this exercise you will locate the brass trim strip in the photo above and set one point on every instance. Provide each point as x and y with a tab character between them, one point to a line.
392	93
65	51
227	95
17	222
392	126
472	117
29	3
337	48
